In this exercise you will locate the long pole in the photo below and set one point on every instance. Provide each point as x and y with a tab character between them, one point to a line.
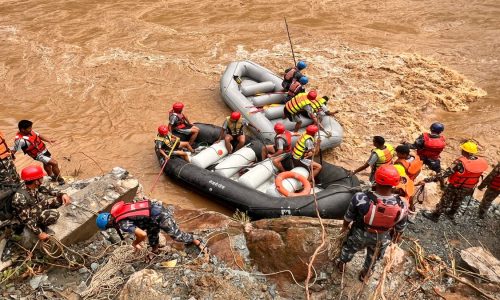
290	40
163	167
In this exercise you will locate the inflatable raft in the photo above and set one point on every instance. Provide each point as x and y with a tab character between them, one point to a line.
256	92
242	181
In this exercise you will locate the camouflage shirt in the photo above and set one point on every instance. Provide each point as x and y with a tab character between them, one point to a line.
29	204
494	173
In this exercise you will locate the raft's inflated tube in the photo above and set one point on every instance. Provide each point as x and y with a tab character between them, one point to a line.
267	99
261	87
210	155
274	112
235	162
258	174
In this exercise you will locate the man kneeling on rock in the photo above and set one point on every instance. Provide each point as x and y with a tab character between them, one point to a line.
145	219
35	205
374	216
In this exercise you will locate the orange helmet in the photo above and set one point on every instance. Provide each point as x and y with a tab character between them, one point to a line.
279	128
177	107
312	129
235	116
163	129
387	175
312	95
32	173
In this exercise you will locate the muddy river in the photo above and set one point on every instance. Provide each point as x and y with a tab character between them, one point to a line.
100	76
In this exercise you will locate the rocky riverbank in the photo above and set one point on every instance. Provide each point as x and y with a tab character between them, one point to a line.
265	259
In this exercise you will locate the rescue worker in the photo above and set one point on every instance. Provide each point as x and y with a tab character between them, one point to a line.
430	145
463	176
297	87
305	147
297	105
381	155
166	141
292	74
35	205
280	152
373	216
411	163
320	109
179	123
232	130
406	187
145	219
8	173
492	181
32	143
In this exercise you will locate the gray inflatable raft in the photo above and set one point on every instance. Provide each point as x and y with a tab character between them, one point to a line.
260	97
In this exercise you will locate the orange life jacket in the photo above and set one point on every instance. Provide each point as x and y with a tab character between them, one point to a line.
122	210
413	168
495	183
35	145
181	119
4	149
473	169
294	88
408	187
381	217
287	138
432	146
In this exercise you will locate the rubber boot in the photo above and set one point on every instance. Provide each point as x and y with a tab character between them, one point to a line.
433	216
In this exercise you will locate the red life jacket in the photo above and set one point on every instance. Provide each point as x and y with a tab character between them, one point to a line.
413	168
295	88
181	119
432	146
35	145
290	74
473	169
122	210
495	183
287	138
381	217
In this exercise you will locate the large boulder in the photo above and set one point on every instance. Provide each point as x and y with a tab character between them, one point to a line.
483	262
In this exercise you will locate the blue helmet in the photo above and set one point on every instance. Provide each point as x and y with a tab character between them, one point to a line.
301	65
303	80
102	221
437	127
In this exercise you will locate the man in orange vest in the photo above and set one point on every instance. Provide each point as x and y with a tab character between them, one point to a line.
463	176
374	215
411	163
492	181
8	173
381	155
281	151
32	144
293	73
145	219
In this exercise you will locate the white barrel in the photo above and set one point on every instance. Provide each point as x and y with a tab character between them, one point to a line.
289	184
258	174
235	162
274	112
261	87
210	155
267	99
293	185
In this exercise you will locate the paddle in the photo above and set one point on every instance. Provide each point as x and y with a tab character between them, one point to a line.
164	164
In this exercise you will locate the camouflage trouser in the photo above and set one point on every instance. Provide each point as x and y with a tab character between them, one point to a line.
358	240
452	199
48	217
162	219
489	196
8	173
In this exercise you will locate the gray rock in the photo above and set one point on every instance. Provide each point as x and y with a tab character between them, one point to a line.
128	269
36	281
83	270
187	272
94	266
119	173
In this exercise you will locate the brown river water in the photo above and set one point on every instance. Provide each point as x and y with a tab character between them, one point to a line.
100	76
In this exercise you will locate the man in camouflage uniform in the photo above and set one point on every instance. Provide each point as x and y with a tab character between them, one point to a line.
145	219
492	181
8	173
35	205
463	175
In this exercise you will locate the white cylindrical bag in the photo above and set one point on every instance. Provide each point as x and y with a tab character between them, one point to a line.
210	155
258	174
235	162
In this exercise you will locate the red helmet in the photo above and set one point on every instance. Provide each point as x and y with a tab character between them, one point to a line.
177	107
279	128
163	129
312	129
235	116
32	173
312	95
387	175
